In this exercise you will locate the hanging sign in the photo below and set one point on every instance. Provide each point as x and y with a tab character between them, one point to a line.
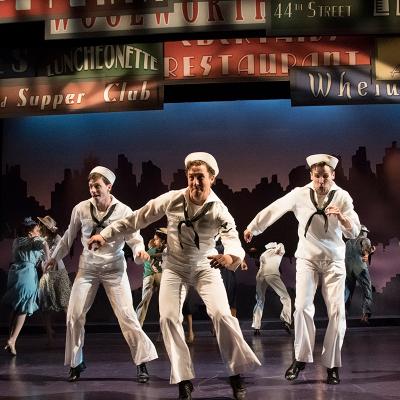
258	58
36	10
340	85
183	16
332	17
43	96
387	59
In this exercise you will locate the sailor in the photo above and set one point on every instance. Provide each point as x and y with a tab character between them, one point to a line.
325	213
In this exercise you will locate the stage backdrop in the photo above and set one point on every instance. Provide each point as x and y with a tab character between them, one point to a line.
260	147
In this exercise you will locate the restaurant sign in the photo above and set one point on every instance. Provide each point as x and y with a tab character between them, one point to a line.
182	16
258	58
332	17
340	85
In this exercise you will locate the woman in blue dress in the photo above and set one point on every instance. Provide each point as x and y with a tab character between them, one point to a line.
22	283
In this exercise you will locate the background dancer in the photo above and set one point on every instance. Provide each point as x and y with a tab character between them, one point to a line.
152	271
357	253
269	275
22	283
54	285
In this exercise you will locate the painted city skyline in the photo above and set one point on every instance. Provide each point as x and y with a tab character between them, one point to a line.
260	148
263	137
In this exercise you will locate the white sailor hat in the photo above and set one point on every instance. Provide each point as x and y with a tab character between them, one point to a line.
318	158
202	156
271	245
105	172
364	228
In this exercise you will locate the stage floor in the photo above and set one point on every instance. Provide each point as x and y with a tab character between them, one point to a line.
371	369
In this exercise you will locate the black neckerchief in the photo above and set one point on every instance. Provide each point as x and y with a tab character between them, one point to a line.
100	224
320	211
189	221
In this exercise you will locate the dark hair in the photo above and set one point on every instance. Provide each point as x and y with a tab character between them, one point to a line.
198	163
96	175
47	232
161	235
26	226
320	164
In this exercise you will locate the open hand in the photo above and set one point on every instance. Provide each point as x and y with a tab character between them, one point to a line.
49	265
334	210
143	255
247	236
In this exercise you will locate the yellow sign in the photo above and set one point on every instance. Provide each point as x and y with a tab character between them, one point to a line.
387	59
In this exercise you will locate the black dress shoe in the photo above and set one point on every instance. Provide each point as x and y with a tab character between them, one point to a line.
365	318
142	374
185	390
75	372
257	332
333	376
293	371
238	387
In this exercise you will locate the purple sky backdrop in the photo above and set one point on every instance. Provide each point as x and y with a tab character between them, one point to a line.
250	139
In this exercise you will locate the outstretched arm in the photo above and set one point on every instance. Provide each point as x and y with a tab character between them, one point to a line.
269	215
68	238
149	213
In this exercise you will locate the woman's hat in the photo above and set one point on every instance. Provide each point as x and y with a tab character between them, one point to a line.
28	221
162	232
49	223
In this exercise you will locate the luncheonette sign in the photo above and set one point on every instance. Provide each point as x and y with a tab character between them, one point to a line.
332	17
259	58
86	78
85	61
127	59
42	96
182	16
29	10
340	85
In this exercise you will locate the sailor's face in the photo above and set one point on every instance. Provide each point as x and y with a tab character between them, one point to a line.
99	190
322	178
199	183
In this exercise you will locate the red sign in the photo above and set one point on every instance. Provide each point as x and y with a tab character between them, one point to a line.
41	96
259	58
184	16
23	10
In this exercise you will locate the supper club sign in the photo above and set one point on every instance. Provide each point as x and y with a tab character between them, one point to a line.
120	77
